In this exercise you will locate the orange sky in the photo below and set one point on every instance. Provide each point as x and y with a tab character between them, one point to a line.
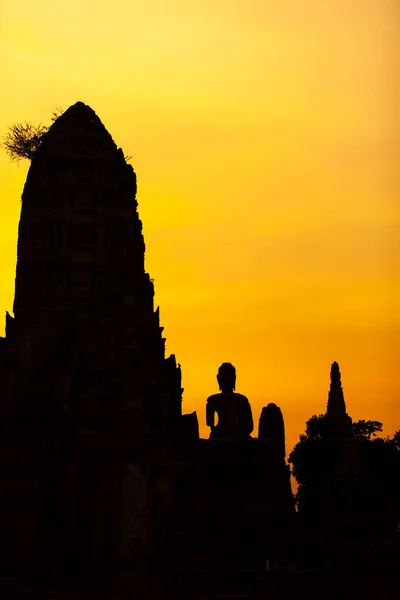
265	137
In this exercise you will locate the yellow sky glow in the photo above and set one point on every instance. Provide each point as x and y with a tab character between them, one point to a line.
264	136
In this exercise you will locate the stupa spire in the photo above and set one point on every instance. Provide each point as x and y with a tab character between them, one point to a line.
336	402
336	408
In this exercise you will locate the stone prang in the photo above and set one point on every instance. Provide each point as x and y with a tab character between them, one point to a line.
85	383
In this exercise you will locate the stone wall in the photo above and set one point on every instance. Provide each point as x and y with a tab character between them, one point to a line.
232	505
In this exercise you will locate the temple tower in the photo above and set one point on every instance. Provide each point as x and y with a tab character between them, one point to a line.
86	386
83	300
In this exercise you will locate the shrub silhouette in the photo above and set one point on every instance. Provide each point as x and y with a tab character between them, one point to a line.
312	461
23	139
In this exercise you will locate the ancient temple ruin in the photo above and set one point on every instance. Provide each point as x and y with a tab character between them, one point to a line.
99	466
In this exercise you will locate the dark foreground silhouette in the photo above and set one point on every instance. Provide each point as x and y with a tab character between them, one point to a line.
106	489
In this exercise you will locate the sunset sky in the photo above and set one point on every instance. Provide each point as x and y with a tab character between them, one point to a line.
265	138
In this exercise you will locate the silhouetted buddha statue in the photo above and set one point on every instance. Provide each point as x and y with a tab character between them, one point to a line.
233	410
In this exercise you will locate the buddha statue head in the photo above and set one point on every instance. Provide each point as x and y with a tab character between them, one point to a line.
226	378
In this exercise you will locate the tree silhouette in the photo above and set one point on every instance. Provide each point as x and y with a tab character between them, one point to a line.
367	429
317	427
309	457
396	439
313	457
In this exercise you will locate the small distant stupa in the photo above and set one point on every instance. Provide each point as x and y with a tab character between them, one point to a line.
339	421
